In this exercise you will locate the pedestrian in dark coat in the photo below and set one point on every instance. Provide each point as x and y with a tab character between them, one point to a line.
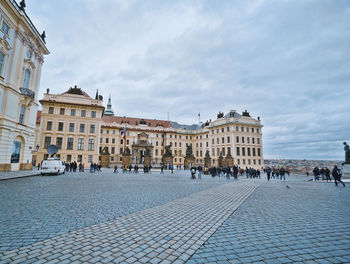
336	173
316	172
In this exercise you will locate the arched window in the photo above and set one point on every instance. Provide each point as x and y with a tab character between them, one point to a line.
26	78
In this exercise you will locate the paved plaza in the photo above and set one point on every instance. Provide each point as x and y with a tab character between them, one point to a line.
169	218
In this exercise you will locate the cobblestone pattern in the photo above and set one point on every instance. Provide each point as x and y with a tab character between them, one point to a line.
307	223
18	174
37	208
169	233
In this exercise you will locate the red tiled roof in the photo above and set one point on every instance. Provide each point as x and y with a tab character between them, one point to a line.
38	116
136	121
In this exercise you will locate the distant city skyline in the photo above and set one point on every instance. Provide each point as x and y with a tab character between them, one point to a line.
285	61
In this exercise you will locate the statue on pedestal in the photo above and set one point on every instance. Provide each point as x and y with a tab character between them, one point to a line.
347	153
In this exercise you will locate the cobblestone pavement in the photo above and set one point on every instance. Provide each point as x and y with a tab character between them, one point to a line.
307	223
18	174
168	233
36	208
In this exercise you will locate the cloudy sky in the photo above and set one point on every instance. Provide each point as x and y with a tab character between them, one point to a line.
285	61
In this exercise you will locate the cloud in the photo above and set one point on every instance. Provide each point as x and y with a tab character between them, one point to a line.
285	61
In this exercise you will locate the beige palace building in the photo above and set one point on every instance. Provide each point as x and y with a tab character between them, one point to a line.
22	51
236	134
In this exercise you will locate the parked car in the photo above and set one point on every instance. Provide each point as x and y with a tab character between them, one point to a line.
52	166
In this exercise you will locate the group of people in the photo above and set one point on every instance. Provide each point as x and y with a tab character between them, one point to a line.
324	173
276	173
132	169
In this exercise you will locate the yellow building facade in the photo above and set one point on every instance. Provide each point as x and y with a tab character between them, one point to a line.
71	121
22	51
236	134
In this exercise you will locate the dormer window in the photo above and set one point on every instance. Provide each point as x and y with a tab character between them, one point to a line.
5	27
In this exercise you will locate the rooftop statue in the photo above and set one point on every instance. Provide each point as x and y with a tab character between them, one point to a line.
347	153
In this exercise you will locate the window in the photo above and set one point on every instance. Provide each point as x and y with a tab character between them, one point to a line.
59	141
90	159
259	154
242	129
253	140
121	150
156	143
69	158
253	151
242	139
80	158
248	140
2	60
16	151
180	144
223	151
156	152
49	125
47	142
91	145
83	113
243	151
237	151
107	140
207	144
100	140
217	140
217	152
51	110
237	139
257	130
258	140
228	139
60	126
70	143
236	128
228	129
112	150
71	127
212	141
223	140
5	27
93	114
217	131
26	78
80	143
213	151
121	142
127	142
62	111
82	128
92	128
113	140
107	131
248	151
72	112
21	114
252	129
222	129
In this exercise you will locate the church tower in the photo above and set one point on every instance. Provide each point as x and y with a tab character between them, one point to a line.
109	111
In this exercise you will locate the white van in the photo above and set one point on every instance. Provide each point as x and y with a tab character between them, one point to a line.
52	166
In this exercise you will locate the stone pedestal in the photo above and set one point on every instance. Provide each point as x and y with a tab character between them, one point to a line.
207	162
126	160
220	161
188	162
167	160
147	161
105	160
346	171
228	162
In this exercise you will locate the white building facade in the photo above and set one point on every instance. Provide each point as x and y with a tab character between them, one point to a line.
22	49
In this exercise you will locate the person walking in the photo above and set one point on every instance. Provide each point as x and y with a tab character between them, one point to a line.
268	173
327	172
316	173
336	173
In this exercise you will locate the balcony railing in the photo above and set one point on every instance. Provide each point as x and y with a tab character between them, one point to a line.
27	92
